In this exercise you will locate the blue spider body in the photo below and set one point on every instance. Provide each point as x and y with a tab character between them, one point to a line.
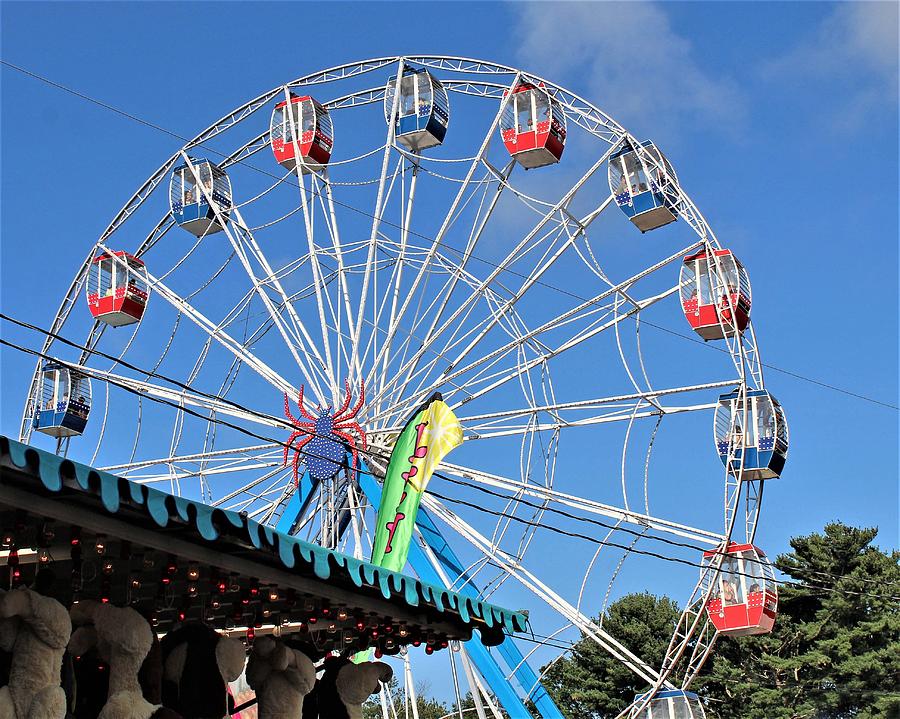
325	452
322	441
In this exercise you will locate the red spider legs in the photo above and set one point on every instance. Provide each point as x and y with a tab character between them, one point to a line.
340	417
297	453
303	412
346	400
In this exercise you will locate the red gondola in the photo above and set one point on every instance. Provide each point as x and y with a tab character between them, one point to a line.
309	122
116	291
744	597
533	127
711	289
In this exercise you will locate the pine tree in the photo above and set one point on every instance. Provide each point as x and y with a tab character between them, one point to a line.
590	684
834	652
835	649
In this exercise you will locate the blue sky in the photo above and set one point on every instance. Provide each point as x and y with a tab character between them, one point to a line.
780	118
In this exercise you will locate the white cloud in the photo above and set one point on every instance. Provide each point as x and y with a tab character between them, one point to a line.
640	70
854	51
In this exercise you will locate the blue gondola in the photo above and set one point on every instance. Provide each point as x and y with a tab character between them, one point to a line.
671	704
202	209
756	440
644	185
64	402
423	111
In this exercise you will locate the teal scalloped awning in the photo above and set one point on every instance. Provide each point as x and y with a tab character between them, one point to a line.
100	491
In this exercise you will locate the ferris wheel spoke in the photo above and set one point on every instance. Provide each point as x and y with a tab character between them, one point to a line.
454	205
377	211
457	321
546	263
241	252
250	485
569	344
529	580
404	401
618	414
511	257
301	337
383	355
587	404
422	372
201	472
582	504
580	311
331	222
231	454
252	496
218	334
183	397
308	224
456	271
371	345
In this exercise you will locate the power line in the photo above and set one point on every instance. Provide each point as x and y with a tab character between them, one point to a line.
548	527
386	458
656	555
386	221
93	100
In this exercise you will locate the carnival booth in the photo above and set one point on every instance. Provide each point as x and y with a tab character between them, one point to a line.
200	197
64	402
116	289
423	109
743	598
643	184
671	704
752	436
305	128
533	126
99	567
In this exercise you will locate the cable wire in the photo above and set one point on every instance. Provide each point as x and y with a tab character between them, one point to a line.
386	458
536	525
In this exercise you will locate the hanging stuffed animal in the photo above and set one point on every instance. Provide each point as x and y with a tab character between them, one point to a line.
37	638
281	678
198	664
120	667
8	629
344	686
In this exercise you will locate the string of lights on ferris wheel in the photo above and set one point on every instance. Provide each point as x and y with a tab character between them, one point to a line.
386	221
536	525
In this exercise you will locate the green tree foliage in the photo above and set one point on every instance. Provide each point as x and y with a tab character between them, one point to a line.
835	649
469	711
834	652
429	708
589	683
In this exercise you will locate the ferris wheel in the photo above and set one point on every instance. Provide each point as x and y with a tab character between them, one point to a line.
271	305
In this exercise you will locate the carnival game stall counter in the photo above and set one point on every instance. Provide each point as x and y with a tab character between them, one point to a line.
105	561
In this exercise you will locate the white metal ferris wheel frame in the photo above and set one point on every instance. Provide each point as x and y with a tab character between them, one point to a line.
693	625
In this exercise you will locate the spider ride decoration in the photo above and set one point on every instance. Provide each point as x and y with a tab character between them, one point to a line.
325	439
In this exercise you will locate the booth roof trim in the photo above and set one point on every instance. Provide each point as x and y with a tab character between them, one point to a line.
292	553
